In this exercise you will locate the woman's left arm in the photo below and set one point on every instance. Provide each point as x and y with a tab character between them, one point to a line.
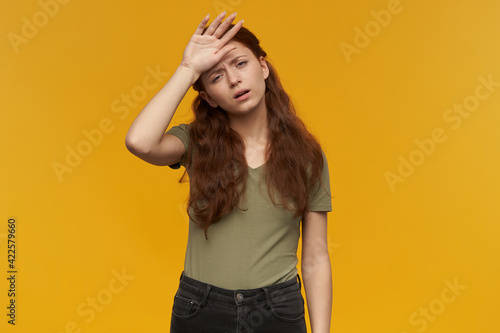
316	270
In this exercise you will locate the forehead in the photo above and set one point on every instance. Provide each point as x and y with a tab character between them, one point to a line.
240	49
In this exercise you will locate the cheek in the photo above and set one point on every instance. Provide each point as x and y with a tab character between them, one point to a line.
214	93
259	78
218	97
262	82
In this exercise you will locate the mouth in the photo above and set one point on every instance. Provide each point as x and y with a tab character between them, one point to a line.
241	93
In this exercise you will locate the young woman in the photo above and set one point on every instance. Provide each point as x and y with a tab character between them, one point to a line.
255	173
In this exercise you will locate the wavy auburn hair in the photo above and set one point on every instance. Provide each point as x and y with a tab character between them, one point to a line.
216	154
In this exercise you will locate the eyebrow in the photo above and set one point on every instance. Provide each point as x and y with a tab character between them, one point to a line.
235	59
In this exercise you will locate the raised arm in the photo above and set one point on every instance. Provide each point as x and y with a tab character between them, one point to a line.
146	136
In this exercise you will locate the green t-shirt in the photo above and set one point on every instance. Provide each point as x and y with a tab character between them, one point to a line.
250	248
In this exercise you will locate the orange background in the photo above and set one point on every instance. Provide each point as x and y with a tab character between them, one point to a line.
413	236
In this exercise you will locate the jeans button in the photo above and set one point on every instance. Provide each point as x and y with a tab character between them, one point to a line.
239	297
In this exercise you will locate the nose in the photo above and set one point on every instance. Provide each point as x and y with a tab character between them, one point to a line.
233	78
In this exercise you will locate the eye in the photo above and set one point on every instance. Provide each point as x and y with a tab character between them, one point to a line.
241	63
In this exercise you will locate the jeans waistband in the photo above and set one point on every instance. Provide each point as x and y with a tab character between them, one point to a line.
238	296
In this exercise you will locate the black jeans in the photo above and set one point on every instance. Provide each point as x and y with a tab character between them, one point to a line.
200	307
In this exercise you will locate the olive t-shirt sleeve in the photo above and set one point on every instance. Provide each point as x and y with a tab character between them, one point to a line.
321	199
181	131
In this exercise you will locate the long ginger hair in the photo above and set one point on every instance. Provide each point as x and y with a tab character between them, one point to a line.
217	166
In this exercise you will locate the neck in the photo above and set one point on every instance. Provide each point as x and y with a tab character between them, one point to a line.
252	126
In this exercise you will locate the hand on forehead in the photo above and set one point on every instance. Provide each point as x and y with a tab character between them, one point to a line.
240	50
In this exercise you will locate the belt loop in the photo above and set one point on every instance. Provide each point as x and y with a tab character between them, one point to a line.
300	282
268	298
205	295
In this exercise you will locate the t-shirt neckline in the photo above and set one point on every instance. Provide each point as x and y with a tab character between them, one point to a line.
256	168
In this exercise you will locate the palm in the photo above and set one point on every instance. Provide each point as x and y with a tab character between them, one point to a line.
201	52
205	51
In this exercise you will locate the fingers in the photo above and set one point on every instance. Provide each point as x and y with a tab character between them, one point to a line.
225	50
223	27
216	29
202	24
231	33
215	24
